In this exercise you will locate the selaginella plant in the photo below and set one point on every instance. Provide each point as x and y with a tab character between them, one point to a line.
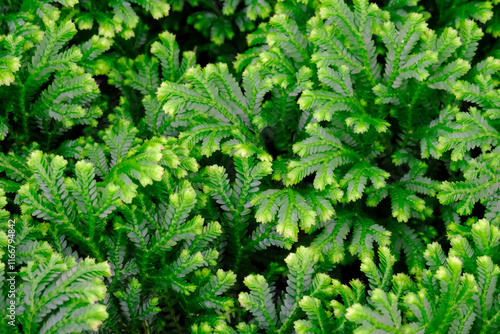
105	190
47	84
355	127
330	180
53	292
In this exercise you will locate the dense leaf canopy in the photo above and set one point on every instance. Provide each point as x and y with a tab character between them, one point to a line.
257	166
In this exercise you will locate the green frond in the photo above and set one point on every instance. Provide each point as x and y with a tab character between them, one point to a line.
365	233
287	37
70	288
290	207
259	302
379	276
319	321
386	319
173	67
302	281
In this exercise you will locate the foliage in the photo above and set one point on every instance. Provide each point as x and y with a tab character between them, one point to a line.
337	174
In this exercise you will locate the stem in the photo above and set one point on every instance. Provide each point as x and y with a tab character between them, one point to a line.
237	259
57	244
70	15
171	310
86	241
23	112
216	8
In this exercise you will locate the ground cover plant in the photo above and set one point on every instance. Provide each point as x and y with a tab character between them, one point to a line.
326	166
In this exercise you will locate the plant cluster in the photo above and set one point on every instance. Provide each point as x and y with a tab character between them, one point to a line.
227	167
